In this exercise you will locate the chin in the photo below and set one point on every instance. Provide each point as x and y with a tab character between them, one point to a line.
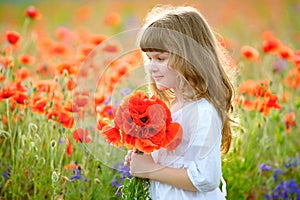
160	87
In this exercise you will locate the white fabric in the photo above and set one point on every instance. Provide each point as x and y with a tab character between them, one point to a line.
198	152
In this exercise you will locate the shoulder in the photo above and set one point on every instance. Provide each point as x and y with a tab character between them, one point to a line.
204	104
201	106
200	110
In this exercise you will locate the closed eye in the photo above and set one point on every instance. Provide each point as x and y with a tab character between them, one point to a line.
160	59
149	58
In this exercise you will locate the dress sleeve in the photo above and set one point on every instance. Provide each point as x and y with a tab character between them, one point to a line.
203	153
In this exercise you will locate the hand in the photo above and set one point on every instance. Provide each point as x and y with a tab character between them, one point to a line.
128	157
141	165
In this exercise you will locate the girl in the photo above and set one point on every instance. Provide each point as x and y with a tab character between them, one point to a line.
186	69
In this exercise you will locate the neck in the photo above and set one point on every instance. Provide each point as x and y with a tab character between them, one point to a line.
178	102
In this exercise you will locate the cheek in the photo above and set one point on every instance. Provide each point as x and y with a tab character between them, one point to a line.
172	77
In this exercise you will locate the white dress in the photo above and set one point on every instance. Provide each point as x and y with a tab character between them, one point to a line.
198	152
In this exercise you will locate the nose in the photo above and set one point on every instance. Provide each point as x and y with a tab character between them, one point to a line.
152	67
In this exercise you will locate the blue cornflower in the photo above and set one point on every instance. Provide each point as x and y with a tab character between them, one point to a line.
285	190
292	162
5	175
61	140
107	101
264	167
125	91
276	173
114	181
78	176
123	172
6	172
292	186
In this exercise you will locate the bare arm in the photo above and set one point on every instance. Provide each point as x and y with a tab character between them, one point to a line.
143	166
173	176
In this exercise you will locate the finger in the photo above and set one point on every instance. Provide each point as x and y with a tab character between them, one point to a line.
129	154
126	163
127	159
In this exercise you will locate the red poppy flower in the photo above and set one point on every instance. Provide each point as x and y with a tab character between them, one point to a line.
6	61
22	74
52	114
289	120
65	119
63	34
248	87
71	166
26	59
59	49
99	98
69	149
293	78
82	135
249	53
269	46
13	37
112	19
129	141
286	53
144	123
262	88
81	99
21	98
19	87
71	84
111	48
101	123
98	39
107	112
2	77
7	92
39	105
145	145
258	96
83	51
248	105
112	135
71	107
296	60
47	86
32	13
173	136
270	43
4	119
65	66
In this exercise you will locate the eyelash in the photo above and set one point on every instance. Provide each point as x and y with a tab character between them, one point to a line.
159	59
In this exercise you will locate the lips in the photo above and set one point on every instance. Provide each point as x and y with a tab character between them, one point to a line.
156	78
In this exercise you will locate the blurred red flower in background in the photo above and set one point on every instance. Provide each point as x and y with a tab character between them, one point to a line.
289	120
249	53
13	37
82	135
32	13
112	19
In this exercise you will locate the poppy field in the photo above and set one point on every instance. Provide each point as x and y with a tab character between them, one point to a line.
52	103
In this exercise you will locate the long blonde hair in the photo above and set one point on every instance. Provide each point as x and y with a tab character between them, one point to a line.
195	54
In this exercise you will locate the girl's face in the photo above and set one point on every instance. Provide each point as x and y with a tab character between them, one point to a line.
160	70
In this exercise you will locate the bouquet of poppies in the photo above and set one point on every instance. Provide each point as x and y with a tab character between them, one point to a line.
145	124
